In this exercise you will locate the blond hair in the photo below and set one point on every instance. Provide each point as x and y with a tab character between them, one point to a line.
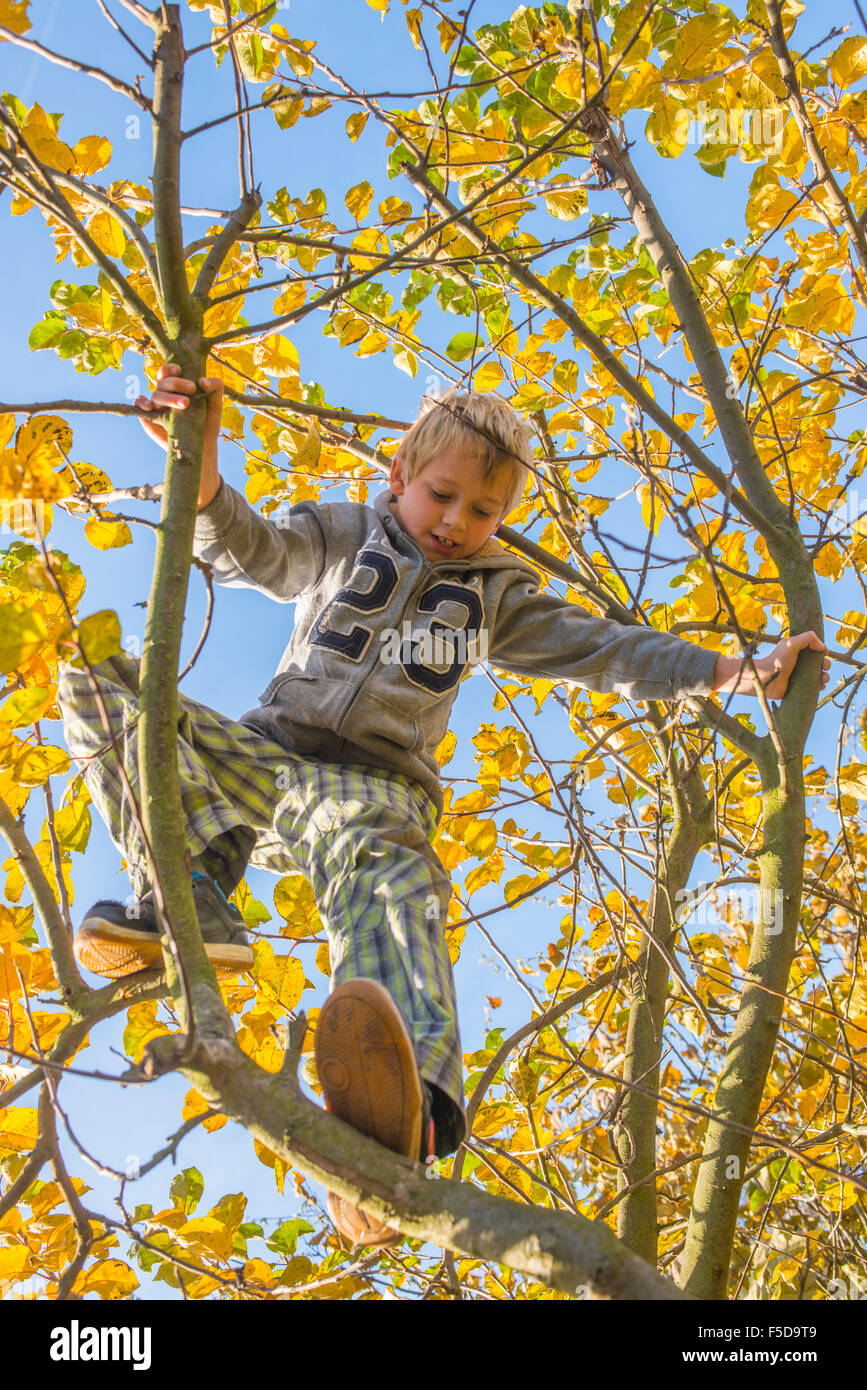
483	426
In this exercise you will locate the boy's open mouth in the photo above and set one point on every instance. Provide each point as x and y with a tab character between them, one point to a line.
444	544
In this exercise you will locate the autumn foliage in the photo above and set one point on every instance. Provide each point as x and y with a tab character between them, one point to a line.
689	1077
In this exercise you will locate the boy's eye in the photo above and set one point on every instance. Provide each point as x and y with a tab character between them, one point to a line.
444	497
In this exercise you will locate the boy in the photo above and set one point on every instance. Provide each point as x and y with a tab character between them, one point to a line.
334	775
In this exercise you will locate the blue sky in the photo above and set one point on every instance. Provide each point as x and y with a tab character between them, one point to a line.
249	632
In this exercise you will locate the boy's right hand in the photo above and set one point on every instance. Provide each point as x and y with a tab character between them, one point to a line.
173	392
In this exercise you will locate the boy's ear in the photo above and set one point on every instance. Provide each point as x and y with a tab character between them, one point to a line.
395	478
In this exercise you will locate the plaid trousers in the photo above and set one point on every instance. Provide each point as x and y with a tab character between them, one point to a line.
360	835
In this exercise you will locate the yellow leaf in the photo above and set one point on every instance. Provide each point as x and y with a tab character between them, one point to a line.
707	941
853	780
292	298
480	837
323	960
565	205
108	234
350	328
26	706
111	1279
195	1104
294	901
829	562
86	476
107	534
568	81
141	1027
277	354
668	127
849	63
13	15
355	125
599	935
307	457
379	5
91	154
18	1130
647	502
280	978
35	765
258	1271
45	438
286	110
413	24
99	636
489	871
259	484
271	1160
208	1235
394	210
447	31
371	344
16	1263
22	632
72	825
491	1118
488	377
358	200
49	1027
445	751
368	241
771	206
696	45
49	150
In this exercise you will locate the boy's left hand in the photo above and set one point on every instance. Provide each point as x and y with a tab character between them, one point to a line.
781	661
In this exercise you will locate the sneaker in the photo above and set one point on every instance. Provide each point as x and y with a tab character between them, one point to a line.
117	940
366	1066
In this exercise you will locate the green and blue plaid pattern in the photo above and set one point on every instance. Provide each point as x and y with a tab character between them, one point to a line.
360	835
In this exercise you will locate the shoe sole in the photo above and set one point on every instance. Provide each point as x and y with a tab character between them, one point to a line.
366	1066
106	949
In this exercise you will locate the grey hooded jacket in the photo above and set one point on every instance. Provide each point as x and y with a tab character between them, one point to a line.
363	678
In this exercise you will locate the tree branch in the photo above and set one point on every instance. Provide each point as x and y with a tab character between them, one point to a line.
60	209
72	987
98	195
562	1250
237	223
116	84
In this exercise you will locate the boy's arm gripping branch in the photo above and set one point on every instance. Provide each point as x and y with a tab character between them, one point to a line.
539	634
243	548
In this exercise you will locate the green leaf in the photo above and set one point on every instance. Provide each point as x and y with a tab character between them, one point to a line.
187	1189
47	333
462	346
285	1238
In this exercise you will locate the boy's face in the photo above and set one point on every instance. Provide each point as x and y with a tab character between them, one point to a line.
448	509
